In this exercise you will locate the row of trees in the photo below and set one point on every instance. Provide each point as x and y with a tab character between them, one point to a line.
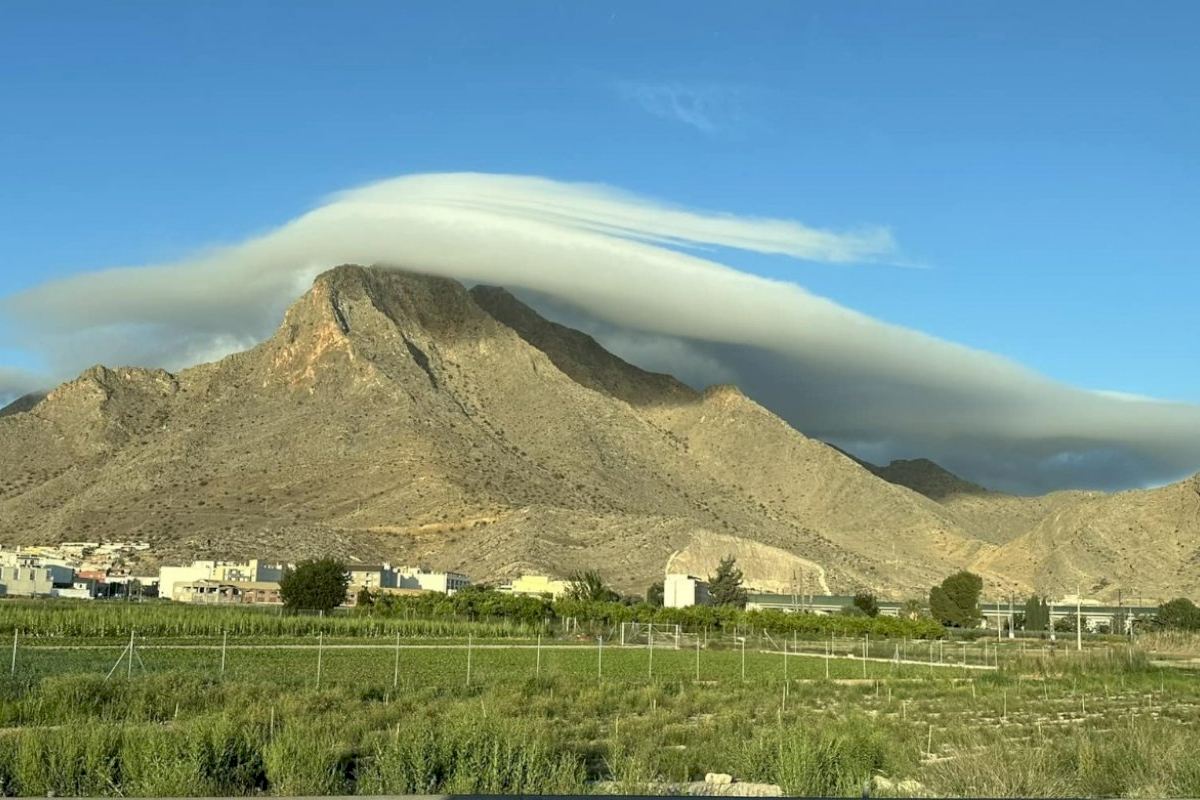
322	584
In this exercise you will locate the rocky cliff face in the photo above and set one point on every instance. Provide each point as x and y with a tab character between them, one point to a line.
395	415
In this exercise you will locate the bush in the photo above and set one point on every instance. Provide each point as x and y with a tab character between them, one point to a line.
833	760
467	757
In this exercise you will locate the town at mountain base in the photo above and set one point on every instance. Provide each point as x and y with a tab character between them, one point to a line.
400	417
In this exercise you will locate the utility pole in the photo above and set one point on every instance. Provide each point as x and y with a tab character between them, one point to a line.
999	623
1011	620
1051	618
1078	620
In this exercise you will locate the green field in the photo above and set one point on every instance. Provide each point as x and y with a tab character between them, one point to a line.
382	718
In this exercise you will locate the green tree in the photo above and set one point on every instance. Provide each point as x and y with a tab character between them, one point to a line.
1037	614
654	595
1179	614
1065	623
317	585
589	586
913	609
955	602
725	588
867	602
364	598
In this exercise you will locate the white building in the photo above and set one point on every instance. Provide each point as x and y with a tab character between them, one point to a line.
372	576
196	571
252	571
681	591
429	581
536	586
27	581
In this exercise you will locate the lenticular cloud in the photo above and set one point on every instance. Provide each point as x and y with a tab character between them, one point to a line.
630	270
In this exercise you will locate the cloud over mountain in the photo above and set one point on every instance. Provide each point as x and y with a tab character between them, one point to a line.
627	268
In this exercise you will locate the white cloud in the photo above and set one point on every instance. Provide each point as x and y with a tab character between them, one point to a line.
832	371
709	108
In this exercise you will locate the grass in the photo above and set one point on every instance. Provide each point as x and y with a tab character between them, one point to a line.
1104	722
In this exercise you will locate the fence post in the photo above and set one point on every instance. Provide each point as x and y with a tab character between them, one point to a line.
537	666
396	669
600	658
743	658
320	654
697	658
224	642
14	653
651	635
468	659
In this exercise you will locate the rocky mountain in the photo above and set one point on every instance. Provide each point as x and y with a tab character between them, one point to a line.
399	416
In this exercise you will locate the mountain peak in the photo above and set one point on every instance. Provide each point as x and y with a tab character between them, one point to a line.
928	478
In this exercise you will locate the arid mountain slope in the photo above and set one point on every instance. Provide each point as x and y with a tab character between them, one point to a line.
982	513
1143	542
391	415
399	416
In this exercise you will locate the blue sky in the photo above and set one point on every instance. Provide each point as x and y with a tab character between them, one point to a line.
1037	161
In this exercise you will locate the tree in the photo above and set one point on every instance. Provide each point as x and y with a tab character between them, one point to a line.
913	609
725	588
866	601
590	587
955	602
317	585
1037	614
1179	614
654	595
1065	624
364	598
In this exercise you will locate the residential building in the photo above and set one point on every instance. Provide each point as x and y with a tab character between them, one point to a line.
26	581
168	577
430	581
214	592
352	594
252	571
371	576
537	586
681	591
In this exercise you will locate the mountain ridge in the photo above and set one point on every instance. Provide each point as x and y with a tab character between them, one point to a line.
397	415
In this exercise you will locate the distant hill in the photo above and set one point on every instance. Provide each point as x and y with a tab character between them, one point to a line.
400	416
22	403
